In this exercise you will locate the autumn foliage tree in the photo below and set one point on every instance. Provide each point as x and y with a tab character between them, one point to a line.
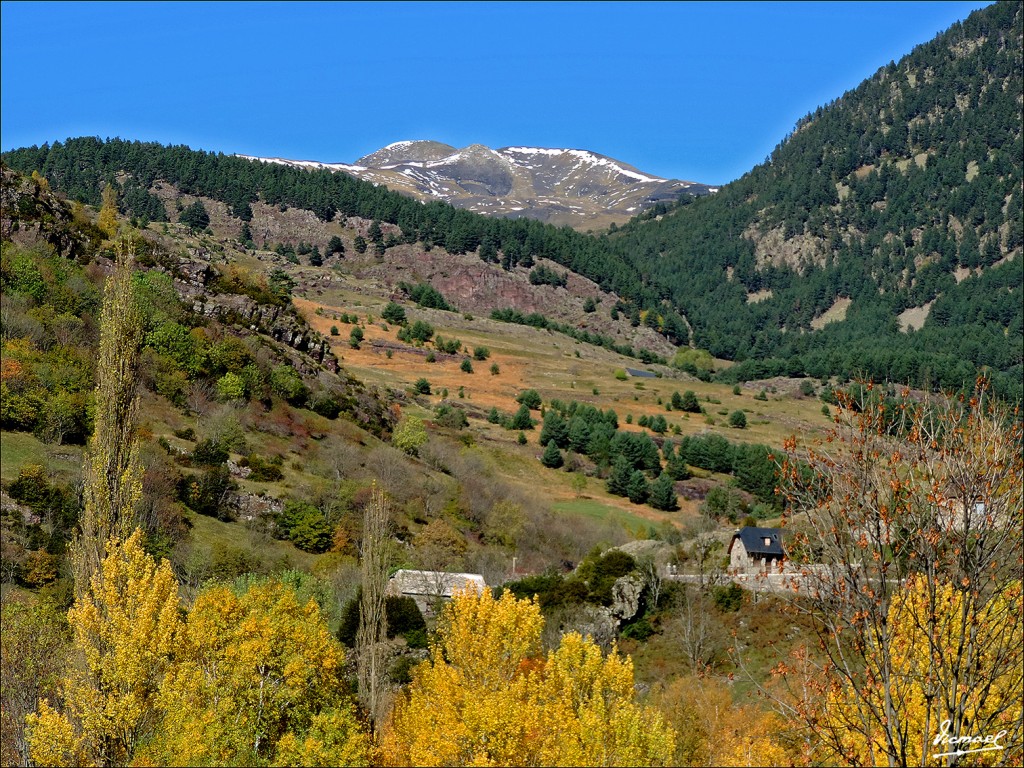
125	628
112	471
35	640
124	616
907	525
714	730
253	678
487	696
925	651
107	220
258	677
371	634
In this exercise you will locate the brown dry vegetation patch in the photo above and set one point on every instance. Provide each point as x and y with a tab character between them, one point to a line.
913	318
834	314
532	359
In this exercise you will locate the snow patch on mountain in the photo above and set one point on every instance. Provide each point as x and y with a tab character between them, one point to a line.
560	186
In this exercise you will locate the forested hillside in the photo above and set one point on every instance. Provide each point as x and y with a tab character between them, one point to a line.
903	193
881	239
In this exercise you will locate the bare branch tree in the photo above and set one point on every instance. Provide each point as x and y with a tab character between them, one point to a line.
648	566
914	513
704	548
700	637
200	399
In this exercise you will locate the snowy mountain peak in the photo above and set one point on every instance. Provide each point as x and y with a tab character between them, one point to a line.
577	187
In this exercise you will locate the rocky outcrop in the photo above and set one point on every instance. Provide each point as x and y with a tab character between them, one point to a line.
477	287
30	212
626	594
193	277
282	326
595	621
251	506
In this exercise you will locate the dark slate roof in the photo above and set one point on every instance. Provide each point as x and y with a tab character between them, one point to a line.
641	374
753	540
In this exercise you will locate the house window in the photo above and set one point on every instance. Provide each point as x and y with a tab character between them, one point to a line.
767	541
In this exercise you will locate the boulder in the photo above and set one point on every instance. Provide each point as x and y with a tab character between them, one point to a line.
626	597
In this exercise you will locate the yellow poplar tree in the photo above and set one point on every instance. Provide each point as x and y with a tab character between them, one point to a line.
371	635
125	613
258	677
465	705
589	712
112	472
486	697
107	220
125	628
923	644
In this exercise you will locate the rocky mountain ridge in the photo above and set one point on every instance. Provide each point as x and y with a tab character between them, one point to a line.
582	189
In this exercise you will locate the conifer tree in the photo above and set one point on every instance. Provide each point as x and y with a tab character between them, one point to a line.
579	435
522	419
663	495
688	402
676	467
195	216
554	429
552	458
622	472
637	489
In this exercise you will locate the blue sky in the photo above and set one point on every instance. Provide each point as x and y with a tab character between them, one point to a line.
698	91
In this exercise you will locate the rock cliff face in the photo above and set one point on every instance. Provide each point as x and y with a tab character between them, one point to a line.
192	280
561	186
31	212
474	286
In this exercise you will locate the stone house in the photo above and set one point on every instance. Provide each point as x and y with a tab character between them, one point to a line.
756	550
432	588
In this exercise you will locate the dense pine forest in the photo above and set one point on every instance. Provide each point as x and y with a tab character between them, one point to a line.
903	193
879	197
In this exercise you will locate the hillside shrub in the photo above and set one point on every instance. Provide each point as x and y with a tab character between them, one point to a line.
305	526
394	313
530	398
410	435
448	416
325	405
729	597
738	420
209	452
286	382
264	470
206	493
